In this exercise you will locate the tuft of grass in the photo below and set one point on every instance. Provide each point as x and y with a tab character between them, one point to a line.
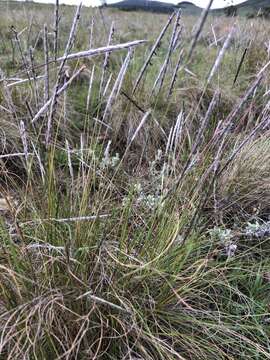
245	184
133	223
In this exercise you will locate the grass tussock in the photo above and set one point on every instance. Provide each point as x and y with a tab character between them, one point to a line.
134	185
246	183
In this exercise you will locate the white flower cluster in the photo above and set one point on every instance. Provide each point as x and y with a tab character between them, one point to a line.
258	230
149	201
153	164
110	162
158	170
225	237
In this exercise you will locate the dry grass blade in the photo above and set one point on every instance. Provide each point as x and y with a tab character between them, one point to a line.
66	220
106	61
56	29
175	73
46	106
160	78
199	29
101	50
46	67
152	52
145	117
118	83
103	302
68	48
220	55
23	81
90	88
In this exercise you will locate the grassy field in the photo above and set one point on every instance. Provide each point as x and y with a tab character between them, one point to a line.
134	185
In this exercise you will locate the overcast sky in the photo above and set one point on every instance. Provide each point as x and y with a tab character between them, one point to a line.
202	3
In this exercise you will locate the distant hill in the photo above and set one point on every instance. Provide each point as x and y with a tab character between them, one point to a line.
156	6
189	8
250	7
255	4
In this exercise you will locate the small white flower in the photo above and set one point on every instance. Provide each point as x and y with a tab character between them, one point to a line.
109	162
222	235
230	250
138	188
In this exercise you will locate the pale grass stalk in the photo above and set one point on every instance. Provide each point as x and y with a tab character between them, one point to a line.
217	41
101	50
68	47
46	66
7	95
199	29
66	220
152	52
177	39
24	60
73	30
267	93
163	132
178	131
106	60
65	105
24	139
59	92
107	85
82	167
117	85
233	114
175	132
70	163
89	93
214	34
145	117
5	109
37	39
23	81
169	140
29	32
48	247
7	156
124	70
41	167
163	70
56	29
102	123
91	33
99	300
220	55
34	76
205	123
175	73
107	150
191	160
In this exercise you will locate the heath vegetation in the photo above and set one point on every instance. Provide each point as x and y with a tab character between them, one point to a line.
134	185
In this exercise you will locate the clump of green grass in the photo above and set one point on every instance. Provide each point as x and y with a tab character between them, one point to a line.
122	235
245	184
